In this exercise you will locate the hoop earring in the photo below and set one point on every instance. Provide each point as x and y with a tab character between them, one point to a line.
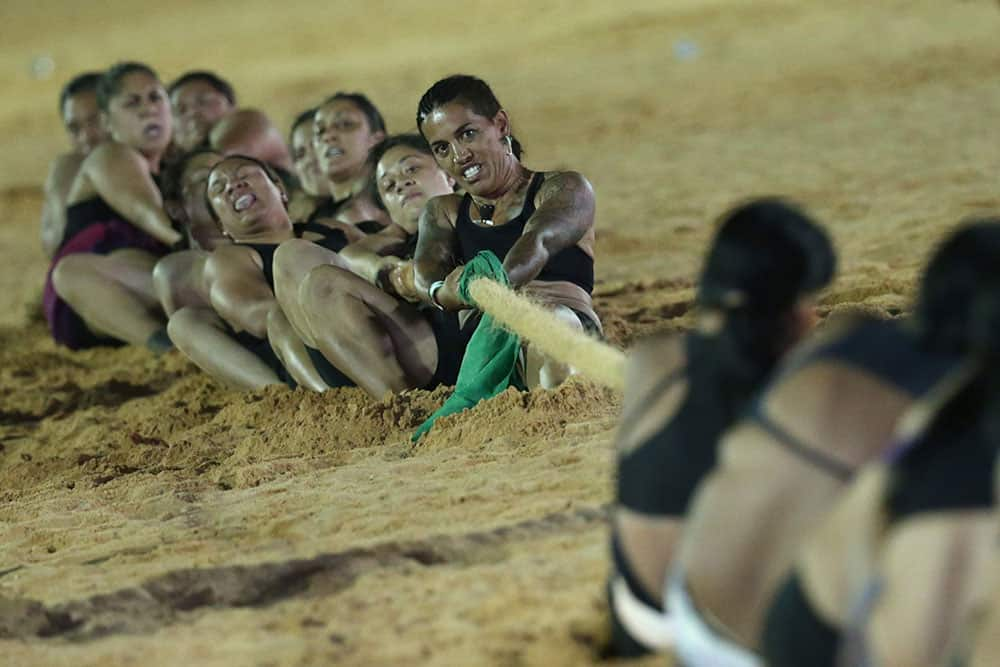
510	145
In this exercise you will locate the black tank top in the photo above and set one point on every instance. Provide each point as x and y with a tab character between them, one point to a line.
882	348
332	239
660	476
571	264
83	214
950	467
327	208
95	210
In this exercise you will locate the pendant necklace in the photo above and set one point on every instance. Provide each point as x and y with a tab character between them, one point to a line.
486	214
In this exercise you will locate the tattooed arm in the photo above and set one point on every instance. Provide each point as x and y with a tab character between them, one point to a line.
564	214
436	256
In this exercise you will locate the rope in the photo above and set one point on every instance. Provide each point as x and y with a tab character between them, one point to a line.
556	339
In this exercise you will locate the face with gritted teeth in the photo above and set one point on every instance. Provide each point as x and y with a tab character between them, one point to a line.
470	147
304	160
406	179
245	199
197	107
139	115
342	139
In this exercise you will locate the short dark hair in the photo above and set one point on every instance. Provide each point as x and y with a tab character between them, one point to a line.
268	169
465	89
111	81
81	83
211	78
304	117
410	140
375	121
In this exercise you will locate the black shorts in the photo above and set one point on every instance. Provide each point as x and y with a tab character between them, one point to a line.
794	634
331	375
261	349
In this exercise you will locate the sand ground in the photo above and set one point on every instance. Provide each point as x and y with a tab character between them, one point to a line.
150	517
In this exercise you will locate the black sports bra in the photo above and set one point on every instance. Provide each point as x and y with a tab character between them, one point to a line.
948	468
879	347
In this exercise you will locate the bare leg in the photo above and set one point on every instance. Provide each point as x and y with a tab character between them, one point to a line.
543	371
112	293
204	339
292	352
178	280
293	260
381	343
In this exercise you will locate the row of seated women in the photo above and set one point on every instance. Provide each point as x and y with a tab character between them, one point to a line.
785	499
181	220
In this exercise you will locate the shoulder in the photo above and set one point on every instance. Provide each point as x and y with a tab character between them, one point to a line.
651	359
233	257
663	349
564	183
113	153
442	209
62	171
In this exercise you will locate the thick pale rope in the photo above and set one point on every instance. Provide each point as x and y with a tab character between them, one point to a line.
555	338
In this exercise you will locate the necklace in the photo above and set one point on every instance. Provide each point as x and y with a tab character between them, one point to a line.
485	213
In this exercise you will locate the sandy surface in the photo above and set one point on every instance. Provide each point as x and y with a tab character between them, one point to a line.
147	516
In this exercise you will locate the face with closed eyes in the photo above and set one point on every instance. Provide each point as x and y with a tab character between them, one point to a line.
197	107
245	200
304	160
471	148
406	178
138	114
342	140
82	120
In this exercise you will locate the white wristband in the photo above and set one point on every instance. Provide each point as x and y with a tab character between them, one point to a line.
432	292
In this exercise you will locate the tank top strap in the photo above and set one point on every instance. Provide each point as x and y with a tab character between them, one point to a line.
529	198
463	210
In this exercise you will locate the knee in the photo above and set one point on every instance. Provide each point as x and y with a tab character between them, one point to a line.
566	315
177	326
289	262
67	273
277	323
167	271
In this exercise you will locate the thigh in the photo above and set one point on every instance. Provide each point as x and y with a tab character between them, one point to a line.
131	268
293	260
178	278
331	296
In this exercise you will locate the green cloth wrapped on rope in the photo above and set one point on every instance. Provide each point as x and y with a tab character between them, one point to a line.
490	362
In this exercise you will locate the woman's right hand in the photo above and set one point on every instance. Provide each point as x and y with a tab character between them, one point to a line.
447	295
